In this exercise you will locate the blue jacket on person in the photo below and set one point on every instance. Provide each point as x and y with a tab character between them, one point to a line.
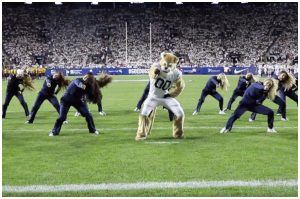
75	92
242	84
254	94
49	90
211	83
13	84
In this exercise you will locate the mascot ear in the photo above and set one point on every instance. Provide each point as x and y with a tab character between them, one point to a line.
176	60
162	55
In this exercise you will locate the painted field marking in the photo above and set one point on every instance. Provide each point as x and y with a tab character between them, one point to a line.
96	116
73	111
150	185
161	142
162	128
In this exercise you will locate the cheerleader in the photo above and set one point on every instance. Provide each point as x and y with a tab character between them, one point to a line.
13	89
210	89
77	90
52	85
252	101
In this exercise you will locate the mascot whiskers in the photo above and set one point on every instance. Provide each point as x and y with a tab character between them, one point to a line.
166	83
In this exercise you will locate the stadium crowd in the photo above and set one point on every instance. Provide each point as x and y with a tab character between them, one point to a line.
204	34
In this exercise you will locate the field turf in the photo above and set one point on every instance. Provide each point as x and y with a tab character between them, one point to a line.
31	157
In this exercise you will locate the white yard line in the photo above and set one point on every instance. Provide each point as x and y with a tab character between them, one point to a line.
73	111
161	142
150	185
162	128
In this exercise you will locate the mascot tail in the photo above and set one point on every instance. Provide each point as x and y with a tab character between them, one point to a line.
104	80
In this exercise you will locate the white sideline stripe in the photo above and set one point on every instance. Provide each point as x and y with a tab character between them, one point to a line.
162	142
162	128
73	111
150	185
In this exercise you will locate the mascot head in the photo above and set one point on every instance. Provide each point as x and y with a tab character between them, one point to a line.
168	62
271	86
224	83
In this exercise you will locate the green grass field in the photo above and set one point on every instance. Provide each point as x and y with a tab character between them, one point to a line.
31	157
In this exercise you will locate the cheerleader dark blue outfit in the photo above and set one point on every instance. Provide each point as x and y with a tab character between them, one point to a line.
74	96
238	91
277	100
252	101
210	89
46	93
144	97
13	89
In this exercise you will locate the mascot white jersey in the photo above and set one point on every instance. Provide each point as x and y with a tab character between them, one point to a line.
160	86
166	83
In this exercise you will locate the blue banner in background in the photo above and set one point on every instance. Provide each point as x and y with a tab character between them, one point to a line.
210	70
142	71
202	70
241	70
83	71
112	71
138	71
189	70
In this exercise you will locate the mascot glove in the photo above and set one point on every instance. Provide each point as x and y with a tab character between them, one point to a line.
167	95
156	71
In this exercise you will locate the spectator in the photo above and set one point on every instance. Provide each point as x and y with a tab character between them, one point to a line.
208	35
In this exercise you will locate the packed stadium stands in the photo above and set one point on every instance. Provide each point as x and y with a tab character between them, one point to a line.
204	34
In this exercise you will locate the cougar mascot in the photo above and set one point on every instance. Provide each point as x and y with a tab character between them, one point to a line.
166	83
